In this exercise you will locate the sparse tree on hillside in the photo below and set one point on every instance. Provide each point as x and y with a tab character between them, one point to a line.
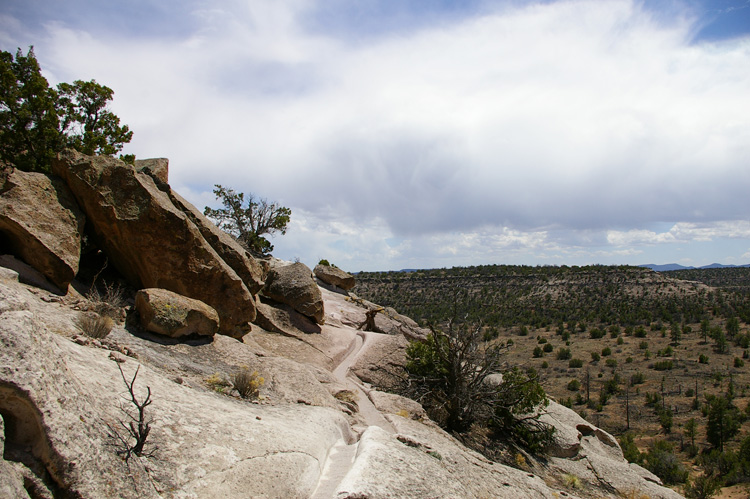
249	221
454	374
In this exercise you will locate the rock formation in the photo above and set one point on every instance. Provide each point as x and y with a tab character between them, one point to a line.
42	224
334	276
173	315
293	284
130	216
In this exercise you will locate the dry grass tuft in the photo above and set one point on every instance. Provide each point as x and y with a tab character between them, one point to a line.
247	384
94	325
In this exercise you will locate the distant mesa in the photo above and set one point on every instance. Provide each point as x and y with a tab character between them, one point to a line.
676	266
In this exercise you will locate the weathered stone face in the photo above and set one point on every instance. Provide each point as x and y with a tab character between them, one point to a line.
293	284
42	224
335	277
173	315
152	242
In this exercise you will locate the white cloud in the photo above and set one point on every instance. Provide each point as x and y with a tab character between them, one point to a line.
485	138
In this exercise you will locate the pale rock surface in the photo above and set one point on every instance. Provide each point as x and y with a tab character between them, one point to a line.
164	312
334	276
42	223
294	285
150	241
296	441
28	274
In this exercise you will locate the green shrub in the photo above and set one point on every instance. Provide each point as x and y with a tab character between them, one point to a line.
563	353
611	363
575	363
574	385
637	378
738	362
538	352
596	333
548	347
606	351
661	461
703	359
664	365
595	357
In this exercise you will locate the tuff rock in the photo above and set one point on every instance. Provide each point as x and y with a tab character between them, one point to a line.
131	218
334	276
42	224
293	284
173	315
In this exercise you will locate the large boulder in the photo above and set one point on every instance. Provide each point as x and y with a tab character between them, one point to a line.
150	241
294	285
42	224
334	276
167	313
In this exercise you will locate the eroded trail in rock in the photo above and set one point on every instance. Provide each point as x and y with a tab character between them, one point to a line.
342	455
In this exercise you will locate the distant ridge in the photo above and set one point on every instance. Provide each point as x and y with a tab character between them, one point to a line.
676	266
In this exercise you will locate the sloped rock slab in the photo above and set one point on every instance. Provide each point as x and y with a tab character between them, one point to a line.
41	221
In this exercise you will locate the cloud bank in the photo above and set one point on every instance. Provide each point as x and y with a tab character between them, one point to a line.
559	132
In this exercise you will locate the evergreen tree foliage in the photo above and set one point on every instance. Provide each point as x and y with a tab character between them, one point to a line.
454	375
249	220
37	122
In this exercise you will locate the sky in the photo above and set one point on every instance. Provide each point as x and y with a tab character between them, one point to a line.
429	134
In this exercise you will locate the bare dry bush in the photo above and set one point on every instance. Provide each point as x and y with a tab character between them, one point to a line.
247	384
94	325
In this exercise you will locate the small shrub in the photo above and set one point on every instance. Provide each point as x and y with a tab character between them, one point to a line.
572	481
435	454
548	347
575	363
538	352
620	341
247	384
595	357
94	325
611	363
629	360
545	364
638	378
574	385
640	332
606	351
703	359
217	382
563	354
108	303
643	345
738	362
596	333
689	392
664	365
